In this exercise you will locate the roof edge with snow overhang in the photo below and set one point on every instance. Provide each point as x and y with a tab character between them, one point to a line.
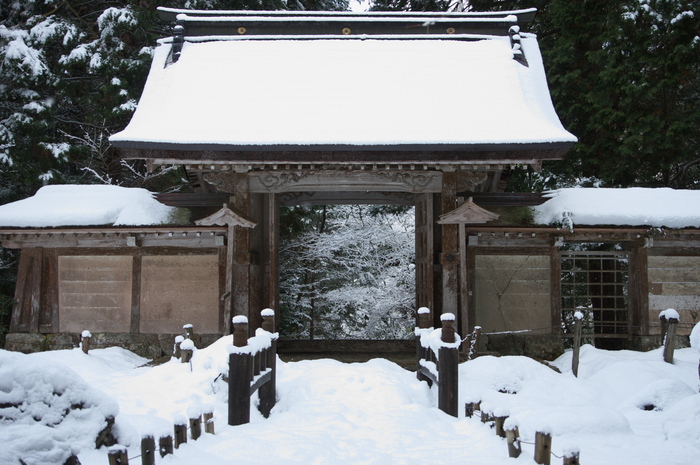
268	86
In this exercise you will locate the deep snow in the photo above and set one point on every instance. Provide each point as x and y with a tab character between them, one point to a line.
377	412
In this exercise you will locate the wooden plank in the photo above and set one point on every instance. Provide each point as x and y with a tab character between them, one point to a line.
555	289
48	320
35	292
21	311
136	294
449	253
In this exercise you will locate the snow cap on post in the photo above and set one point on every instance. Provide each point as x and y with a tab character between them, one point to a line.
240	330
268	323
423	318
448	328
670	314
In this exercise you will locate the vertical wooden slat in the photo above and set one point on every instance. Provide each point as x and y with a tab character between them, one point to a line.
136	294
224	292
555	288
241	250
449	257
273	247
35	290
464	321
48	320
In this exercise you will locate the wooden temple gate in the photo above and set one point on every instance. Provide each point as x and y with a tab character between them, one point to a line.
263	110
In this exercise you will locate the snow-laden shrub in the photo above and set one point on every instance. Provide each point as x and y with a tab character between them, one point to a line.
47	412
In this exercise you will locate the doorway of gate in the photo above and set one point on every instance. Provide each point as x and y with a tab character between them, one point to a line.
347	282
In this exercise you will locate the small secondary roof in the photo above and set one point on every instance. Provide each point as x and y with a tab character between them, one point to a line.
424	90
85	205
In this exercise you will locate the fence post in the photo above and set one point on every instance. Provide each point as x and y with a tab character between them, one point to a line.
176	347
239	376
85	340
670	340
165	445
543	448
118	455
474	343
189	330
148	450
500	431
268	391
514	448
195	427
571	457
180	431
447	368
186	350
208	419
422	322
578	321
470	407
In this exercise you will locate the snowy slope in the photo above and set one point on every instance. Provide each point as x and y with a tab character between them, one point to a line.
376	412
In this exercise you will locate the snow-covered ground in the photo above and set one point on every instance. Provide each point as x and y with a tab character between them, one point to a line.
374	412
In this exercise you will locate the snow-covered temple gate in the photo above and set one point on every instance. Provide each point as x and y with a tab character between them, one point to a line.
356	110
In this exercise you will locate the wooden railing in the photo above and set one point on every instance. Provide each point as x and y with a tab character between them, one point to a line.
439	366
252	367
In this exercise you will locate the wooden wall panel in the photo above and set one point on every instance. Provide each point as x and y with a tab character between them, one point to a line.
513	292
94	293
674	282
178	290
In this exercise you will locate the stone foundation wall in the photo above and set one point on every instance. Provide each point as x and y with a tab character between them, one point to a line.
151	346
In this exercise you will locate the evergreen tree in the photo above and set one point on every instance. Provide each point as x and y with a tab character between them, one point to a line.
624	79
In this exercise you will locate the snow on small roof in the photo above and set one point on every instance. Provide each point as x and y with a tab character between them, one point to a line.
663	207
85	205
245	93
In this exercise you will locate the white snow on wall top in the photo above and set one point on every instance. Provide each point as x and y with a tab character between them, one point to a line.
85	205
663	207
346	92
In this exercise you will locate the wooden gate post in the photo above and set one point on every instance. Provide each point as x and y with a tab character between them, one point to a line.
240	368
422	323
267	393
448	367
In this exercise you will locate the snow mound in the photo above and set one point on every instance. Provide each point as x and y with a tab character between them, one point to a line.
661	394
47	412
85	205
695	337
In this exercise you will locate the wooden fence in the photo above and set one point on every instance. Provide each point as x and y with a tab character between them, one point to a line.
252	367
439	367
509	430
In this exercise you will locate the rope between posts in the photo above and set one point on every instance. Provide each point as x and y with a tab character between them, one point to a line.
520	441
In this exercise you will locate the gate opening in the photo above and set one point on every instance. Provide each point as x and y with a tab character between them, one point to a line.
347	272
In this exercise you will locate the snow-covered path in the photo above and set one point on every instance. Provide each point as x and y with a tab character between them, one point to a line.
378	413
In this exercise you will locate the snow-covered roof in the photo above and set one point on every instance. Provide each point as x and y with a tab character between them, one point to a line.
85	205
663	207
323	92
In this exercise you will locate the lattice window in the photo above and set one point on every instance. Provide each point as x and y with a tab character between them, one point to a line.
595	282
